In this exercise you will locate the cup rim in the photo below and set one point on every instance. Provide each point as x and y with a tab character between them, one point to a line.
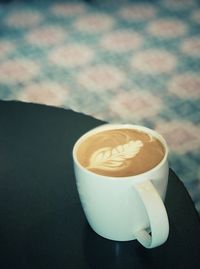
111	126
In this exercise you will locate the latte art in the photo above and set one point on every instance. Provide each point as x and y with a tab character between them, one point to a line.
114	158
120	152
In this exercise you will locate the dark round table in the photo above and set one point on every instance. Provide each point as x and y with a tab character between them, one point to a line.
42	224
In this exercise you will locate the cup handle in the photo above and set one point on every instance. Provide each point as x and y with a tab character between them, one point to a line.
158	219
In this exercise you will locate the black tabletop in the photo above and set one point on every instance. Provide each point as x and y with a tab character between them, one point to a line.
42	224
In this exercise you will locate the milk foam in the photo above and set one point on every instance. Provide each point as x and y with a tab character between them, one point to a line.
114	158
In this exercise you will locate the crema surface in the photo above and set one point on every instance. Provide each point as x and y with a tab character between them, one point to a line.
120	152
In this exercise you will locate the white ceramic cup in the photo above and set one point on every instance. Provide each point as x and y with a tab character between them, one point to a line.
125	208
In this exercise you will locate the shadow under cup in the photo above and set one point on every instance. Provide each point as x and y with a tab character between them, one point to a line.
125	208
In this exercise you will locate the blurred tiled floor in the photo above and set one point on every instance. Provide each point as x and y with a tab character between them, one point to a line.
119	60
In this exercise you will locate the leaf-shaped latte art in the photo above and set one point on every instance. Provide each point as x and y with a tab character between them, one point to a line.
114	158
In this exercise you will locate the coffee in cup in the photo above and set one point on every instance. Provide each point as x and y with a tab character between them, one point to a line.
120	152
121	176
